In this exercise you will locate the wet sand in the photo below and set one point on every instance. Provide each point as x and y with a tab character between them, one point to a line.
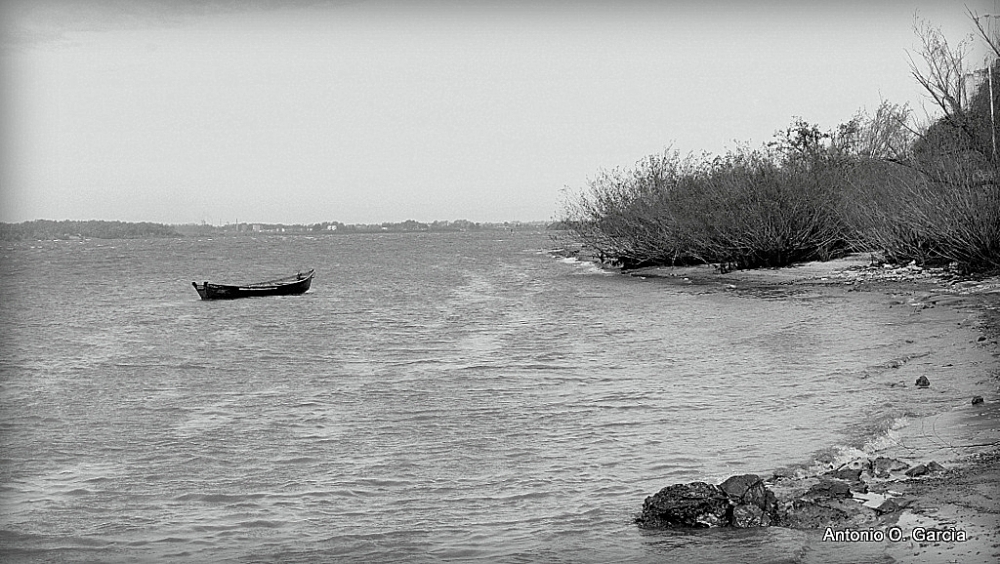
956	323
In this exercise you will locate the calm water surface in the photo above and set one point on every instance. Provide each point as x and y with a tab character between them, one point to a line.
434	397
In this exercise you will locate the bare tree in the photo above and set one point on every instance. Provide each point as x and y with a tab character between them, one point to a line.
944	75
962	136
884	135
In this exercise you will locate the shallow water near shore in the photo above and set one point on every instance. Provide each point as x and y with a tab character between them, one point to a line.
434	397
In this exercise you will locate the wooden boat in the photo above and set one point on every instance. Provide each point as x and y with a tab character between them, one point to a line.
295	284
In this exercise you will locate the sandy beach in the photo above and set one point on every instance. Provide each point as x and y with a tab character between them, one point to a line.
951	329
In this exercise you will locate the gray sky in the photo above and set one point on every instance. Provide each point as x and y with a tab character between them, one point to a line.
182	111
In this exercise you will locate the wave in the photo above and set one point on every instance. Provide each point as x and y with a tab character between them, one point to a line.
879	436
586	267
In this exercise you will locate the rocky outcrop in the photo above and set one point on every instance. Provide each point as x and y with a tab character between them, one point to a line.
753	505
827	503
839	498
883	467
686	505
848	474
922	469
741	501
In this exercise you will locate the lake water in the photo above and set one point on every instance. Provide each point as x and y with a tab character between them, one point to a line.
432	398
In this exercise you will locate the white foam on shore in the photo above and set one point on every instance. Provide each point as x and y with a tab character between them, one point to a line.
890	438
585	266
841	456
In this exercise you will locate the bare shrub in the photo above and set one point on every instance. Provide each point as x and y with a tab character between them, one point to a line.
909	216
740	211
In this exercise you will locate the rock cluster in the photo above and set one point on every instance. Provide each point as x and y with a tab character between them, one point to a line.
753	505
840	497
949	277
740	501
899	273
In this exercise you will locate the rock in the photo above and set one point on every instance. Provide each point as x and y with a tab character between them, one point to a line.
922	469
745	501
829	503
888	506
903	502
976	400
923	382
749	516
753	504
840	512
845	473
856	464
882	466
745	488
828	489
686	505
741	501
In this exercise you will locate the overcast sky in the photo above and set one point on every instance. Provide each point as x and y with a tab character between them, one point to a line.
183	111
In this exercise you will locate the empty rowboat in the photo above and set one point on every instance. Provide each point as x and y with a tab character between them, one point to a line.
289	285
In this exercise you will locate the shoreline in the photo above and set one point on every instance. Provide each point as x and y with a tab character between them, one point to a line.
963	498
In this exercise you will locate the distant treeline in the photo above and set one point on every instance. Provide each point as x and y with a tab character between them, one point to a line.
336	227
45	229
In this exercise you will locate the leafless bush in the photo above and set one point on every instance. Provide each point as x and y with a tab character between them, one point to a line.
740	211
910	216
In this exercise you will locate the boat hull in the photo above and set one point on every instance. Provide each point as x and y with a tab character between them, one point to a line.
292	285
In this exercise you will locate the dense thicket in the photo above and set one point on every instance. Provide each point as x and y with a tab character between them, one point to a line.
743	210
875	183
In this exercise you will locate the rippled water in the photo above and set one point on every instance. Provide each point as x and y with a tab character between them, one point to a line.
434	397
